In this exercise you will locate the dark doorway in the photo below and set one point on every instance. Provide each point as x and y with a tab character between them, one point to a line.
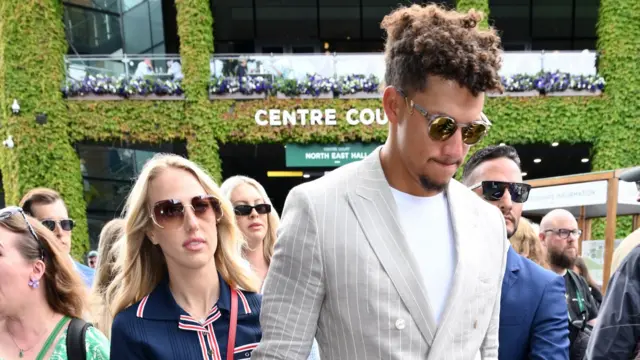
557	159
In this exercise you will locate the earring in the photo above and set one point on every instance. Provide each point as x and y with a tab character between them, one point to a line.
34	283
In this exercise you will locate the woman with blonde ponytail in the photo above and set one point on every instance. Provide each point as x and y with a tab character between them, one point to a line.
180	273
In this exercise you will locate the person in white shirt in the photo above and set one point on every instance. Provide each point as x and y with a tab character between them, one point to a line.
388	257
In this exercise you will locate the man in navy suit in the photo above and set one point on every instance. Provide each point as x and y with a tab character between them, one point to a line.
47	206
533	312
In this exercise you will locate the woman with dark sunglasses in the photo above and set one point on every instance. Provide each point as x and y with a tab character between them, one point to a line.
181	289
256	218
258	221
40	294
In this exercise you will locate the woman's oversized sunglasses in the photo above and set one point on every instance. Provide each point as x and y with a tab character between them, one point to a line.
442	127
170	214
494	190
10	211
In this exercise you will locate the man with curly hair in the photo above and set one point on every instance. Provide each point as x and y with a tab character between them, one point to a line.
389	258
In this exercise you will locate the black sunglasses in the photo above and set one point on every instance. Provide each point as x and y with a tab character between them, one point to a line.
245	210
442	127
65	224
11	211
494	190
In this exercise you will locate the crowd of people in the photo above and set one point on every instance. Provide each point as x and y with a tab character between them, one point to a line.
385	258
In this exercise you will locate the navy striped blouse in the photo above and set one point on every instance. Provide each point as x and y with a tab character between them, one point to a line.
158	328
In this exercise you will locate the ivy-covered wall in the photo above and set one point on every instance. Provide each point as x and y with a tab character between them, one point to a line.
32	46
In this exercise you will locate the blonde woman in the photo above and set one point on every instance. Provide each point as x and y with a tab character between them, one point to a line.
258	221
256	218
41	294
108	252
181	272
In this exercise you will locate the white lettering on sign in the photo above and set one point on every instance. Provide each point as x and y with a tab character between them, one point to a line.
313	117
316	156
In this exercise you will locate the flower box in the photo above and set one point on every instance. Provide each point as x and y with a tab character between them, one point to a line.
528	93
237	96
571	92
361	95
156	97
94	97
305	96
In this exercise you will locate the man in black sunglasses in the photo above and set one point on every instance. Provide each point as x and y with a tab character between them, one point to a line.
533	312
47	206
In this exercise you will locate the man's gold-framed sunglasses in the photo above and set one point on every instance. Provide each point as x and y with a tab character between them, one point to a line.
442	127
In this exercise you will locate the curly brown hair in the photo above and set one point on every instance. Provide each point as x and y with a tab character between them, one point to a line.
431	40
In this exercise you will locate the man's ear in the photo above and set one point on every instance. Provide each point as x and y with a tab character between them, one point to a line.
392	104
542	239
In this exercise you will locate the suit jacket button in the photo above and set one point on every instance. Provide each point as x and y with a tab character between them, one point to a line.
400	324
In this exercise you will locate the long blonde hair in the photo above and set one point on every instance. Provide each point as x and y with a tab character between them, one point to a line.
143	266
65	291
525	241
273	220
109	250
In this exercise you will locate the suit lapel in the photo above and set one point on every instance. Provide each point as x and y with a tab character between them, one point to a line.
513	268
375	209
464	224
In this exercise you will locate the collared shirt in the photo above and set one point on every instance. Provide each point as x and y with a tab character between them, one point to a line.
156	327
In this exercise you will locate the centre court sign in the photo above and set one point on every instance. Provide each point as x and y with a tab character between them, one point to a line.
329	117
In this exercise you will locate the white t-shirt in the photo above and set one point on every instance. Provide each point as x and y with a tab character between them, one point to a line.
427	229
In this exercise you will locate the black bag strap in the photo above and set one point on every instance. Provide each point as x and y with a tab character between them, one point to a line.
76	337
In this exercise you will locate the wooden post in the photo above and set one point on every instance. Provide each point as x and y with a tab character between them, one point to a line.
581	225
636	222
587	229
610	229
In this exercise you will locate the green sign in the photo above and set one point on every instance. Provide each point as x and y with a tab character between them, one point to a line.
326	155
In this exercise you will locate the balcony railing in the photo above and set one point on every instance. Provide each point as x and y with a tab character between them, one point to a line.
335	65
120	76
314	75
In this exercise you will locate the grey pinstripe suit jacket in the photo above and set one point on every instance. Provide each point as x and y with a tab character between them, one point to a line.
343	273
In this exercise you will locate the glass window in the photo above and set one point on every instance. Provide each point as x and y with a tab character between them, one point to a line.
107	195
511	18
91	31
108	173
586	18
157	28
546	24
108	5
373	11
124	26
233	19
552	18
340	19
276	19
129	4
137	31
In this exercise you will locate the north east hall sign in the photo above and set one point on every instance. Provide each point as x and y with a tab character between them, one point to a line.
277	117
